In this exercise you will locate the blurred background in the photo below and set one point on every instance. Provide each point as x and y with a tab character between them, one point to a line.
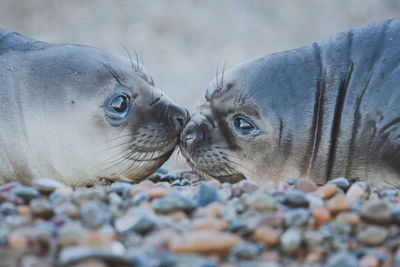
183	41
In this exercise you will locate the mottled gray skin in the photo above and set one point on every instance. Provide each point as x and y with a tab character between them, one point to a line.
53	123
322	111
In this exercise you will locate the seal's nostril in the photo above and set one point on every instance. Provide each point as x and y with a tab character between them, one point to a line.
180	121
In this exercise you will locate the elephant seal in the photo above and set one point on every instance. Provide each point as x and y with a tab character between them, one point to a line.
322	111
77	113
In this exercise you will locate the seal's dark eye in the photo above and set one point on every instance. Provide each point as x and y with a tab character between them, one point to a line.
244	125
120	104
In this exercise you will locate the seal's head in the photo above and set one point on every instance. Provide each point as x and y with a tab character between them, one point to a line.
77	114
233	135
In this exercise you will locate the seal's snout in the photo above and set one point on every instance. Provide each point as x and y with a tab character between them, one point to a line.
178	116
193	132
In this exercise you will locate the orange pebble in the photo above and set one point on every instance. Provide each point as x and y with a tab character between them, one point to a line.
156	192
328	190
321	215
338	204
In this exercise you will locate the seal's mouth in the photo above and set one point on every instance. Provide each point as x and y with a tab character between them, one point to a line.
206	171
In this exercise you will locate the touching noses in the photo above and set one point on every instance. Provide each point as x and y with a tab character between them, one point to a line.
194	130
178	116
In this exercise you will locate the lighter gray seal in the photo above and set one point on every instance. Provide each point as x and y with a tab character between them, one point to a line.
322	111
78	114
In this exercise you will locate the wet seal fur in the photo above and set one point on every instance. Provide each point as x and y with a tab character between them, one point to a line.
322	111
77	113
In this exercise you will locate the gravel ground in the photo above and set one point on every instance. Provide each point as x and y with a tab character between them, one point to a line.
178	220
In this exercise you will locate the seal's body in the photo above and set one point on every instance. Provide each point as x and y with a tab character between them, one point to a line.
76	114
322	111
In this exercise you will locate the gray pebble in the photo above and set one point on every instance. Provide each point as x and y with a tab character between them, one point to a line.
176	183
290	240
73	255
46	185
297	217
313	239
94	214
206	195
396	215
341	182
155	177
376	212
120	188
8	186
295	199
26	193
41	208
140	197
185	182
246	251
373	235
134	221
224	194
342	259
173	202
7	208
247	186
82	195
291	181
261	201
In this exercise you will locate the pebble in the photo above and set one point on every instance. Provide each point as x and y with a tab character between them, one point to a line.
261	201
267	235
94	214
350	218
338	204
204	241
46	185
247	186
340	182
328	190
296	217
41	208
342	259
83	195
369	261
356	190
135	220
209	224
206	195
321	215
173	202
26	193
290	240
7	208
372	235
17	240
305	185
296	199
376	212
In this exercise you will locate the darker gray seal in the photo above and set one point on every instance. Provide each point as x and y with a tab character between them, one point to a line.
322	111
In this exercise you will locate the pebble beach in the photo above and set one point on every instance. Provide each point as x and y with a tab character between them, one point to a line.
177	219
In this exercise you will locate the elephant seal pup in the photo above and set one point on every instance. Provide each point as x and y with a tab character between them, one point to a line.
76	114
322	111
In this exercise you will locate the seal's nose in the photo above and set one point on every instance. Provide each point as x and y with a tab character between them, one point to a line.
178	116
193	132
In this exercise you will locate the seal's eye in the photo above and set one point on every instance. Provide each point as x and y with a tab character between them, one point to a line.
120	104
244	125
